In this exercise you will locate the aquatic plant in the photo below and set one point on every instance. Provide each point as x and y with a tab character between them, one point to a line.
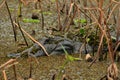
31	20
69	58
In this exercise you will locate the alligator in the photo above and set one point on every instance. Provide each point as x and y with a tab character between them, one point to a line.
53	47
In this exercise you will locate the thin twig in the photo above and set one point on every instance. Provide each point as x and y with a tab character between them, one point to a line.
11	61
58	11
109	16
42	16
11	21
14	70
3	2
97	55
23	34
4	74
107	36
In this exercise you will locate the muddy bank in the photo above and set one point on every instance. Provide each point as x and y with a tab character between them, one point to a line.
48	66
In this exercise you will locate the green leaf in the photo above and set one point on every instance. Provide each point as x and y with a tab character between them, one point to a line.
69	57
82	31
113	37
66	53
77	59
36	11
11	9
31	20
76	20
80	21
83	21
88	39
53	1
47	13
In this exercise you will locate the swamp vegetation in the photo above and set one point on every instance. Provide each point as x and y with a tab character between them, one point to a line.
93	23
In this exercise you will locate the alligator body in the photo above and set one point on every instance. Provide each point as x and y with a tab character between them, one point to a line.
53	47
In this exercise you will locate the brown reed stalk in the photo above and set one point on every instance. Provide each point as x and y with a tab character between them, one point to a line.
14	31
116	47
26	2
11	61
74	11
101	21
82	11
15	73
71	15
41	11
4	75
107	38
109	16
30	67
104	29
98	50
58	12
85	5
20	9
22	33
112	72
95	11
118	26
3	2
63	6
8	64
118	33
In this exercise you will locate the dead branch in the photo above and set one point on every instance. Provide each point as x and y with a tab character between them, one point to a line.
3	2
4	75
112	72
11	61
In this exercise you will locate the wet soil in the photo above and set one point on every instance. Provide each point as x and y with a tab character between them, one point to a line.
47	66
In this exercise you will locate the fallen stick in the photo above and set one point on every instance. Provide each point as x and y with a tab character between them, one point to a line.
4	75
11	61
